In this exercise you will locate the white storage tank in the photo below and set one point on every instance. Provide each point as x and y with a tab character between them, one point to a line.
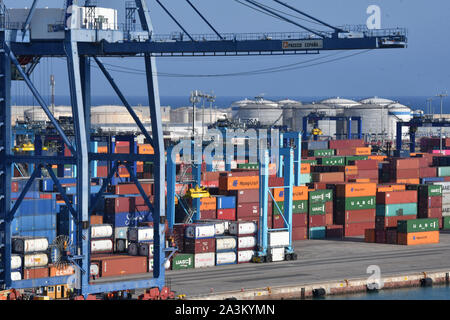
245	256
243	228
225	243
200	231
29	245
35	260
376	100
288	107
140	234
223	258
101	231
266	112
248	242
399	112
374	120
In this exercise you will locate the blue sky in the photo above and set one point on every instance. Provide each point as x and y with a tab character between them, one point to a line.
423	69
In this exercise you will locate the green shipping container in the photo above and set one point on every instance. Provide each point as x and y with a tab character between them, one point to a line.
315	209
428	190
332	161
418	225
253	166
305	178
355	203
394	210
320	196
321	153
443	171
183	261
354	158
300	206
446	223
311	162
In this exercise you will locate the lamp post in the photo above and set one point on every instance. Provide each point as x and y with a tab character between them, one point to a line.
442	96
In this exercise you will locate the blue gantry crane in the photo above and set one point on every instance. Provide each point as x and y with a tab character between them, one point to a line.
81	44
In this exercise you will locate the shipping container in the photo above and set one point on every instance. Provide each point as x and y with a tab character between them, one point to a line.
225	243
199	231
199	245
355	203
356	190
418	225
182	261
245	256
417	238
357	229
120	265
400	209
204	260
225	258
397	197
317	233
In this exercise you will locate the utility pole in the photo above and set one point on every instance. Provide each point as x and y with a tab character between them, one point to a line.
195	98
442	96
52	86
429	109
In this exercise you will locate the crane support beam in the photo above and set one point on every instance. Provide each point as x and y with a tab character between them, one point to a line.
204	19
174	19
29	17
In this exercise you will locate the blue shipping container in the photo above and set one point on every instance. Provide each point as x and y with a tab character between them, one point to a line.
317	233
224	202
36	206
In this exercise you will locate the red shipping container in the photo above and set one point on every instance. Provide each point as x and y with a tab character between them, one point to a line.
329	219
35	273
46	195
208	214
299	219
320	185
278	222
345	144
405	163
429	213
334	232
428	172
396	197
127	188
102	171
380	236
430	202
299	233
355	216
14	187
226	214
248	209
199	245
276	182
405	173
366	164
117	205
391	236
328	177
367	174
317	221
391	222
329	207
244	196
357	229
120	265
345	152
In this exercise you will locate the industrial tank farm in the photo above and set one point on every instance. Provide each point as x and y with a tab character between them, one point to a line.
266	112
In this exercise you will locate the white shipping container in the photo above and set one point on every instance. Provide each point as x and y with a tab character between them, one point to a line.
242	227
225	243
225	258
246	242
233	164
446	198
445	210
16	262
150	264
277	254
278	238
35	260
219	228
94	270
203	260
101	231
200	231
120	233
140	234
16	276
101	245
245	256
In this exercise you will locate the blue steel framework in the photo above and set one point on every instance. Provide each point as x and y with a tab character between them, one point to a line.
316	118
79	55
413	125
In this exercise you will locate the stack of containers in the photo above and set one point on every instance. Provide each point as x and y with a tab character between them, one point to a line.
182	261
425	168
401	170
305	170
226	250
445	204
102	239
140	243
200	241
208	208
16	267
320	206
355	207
245	233
419	231
366	169
430	202
226	207
443	164
33	253
393	206
247	204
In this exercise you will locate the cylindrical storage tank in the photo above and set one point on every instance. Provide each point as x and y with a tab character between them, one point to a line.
288	107
328	127
266	112
244	256
200	231
140	234
113	115
28	245
101	231
374	120
399	112
16	276
219	228
248	242
16	262
225	258
225	243
101	246
167	264
94	270
35	260
239	228
378	101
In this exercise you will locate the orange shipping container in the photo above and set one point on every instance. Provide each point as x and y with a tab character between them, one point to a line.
238	183
305	168
390	188
59	272
356	190
351	170
363	151
416	238
145	149
298	193
408	181
102	149
208	203
378	158
328	177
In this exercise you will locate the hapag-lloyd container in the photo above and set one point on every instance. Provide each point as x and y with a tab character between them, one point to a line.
28	245
101	231
199	231
203	260
416	238
248	242
140	234
245	256
356	190
35	260
278	238
223	258
225	243
418	225
243	228
101	246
